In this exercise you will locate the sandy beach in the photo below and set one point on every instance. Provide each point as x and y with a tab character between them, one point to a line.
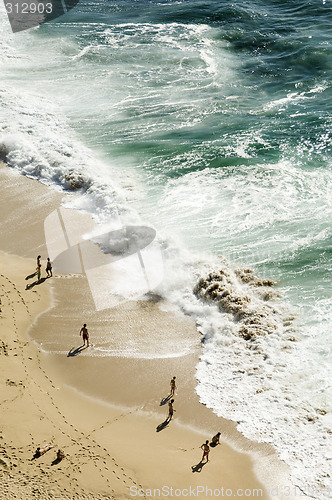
104	412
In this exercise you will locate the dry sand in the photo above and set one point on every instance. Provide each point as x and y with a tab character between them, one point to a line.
110	438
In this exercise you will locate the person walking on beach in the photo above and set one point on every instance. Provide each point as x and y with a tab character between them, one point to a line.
49	268
206	450
173	386
85	334
170	410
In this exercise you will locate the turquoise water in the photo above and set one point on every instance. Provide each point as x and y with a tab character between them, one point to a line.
211	122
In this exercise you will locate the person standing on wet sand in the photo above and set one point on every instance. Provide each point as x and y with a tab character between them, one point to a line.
85	334
49	268
170	410
173	386
206	450
38	268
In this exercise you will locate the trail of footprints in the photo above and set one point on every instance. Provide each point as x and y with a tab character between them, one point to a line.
21	298
86	455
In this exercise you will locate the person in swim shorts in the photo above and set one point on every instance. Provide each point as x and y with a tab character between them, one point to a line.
173	386
38	268
49	268
85	334
170	409
206	450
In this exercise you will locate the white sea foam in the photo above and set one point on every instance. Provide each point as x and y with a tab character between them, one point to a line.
36	140
277	387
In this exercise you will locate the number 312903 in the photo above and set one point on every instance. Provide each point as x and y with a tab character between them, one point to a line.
29	8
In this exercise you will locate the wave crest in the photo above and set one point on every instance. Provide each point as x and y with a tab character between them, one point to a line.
243	295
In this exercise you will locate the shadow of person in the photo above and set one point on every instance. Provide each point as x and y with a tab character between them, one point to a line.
28	287
165	400
213	445
30	276
74	351
56	461
198	467
163	425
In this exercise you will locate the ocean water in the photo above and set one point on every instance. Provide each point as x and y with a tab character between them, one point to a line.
210	122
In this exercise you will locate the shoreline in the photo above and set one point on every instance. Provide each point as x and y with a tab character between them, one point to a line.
129	389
